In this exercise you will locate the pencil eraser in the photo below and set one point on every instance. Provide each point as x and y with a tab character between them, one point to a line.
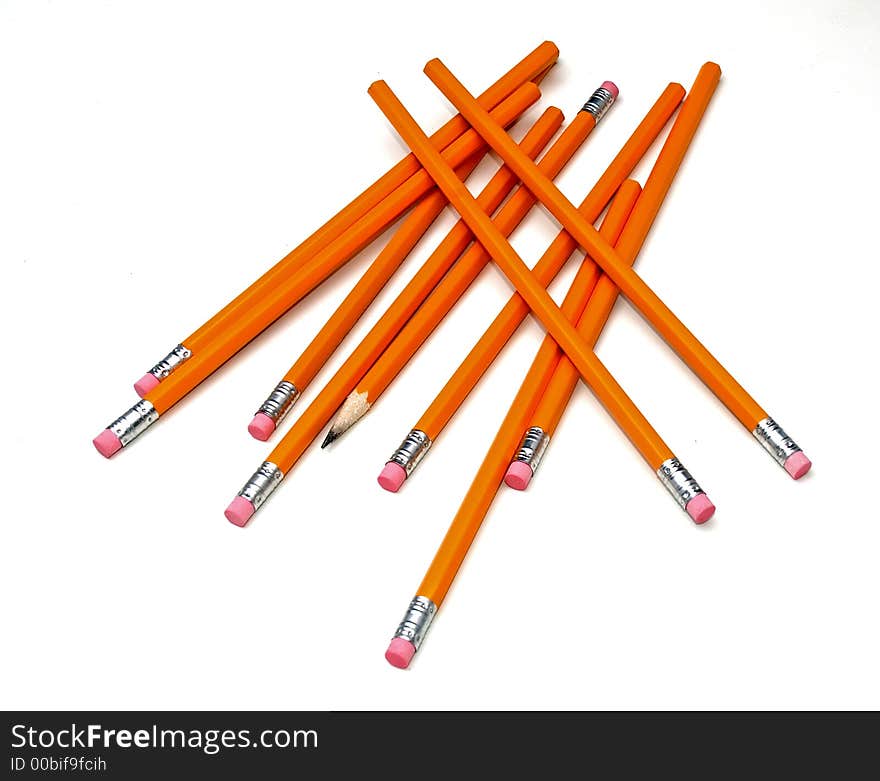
400	653
797	465
107	443
392	477
518	475
145	384
611	87
261	427
700	508
239	511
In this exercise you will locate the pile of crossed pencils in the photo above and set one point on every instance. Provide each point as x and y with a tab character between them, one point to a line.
422	185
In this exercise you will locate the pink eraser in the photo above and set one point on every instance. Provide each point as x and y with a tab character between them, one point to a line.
797	465
391	478
239	511
700	508
261	427
400	653
519	473
611	87
145	384
107	443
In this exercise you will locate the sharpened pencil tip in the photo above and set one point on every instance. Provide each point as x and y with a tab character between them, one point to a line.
352	410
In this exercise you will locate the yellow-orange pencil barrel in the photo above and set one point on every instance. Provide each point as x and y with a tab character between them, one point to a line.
549	356
531	68
416	444
458	539
263	311
647	441
267	308
555	397
277	299
456	282
285	290
304	369
264	481
771	436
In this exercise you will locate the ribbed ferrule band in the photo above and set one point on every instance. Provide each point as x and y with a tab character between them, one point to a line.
134	422
170	362
261	484
534	444
774	440
678	481
599	103
411	451
418	618
279	402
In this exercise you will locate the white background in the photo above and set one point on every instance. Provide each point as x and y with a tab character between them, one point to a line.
156	158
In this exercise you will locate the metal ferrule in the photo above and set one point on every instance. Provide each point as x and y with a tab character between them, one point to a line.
170	362
134	422
262	483
411	451
418	618
280	401
678	481
531	449
599	103
775	441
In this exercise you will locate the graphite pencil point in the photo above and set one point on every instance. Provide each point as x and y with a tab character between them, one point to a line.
330	438
352	410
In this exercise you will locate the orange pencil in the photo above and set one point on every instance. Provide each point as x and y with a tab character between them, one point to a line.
281	460
415	445
456	282
675	478
411	631
553	399
303	371
771	436
532	68
274	302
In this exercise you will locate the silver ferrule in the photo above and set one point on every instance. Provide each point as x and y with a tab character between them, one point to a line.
531	449
262	483
775	441
280	401
411	451
170	362
599	103
418	618
134	422
678	481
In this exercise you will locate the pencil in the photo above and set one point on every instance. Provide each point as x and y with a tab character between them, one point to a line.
456	282
411	631
284	395
533	67
265	309
294	443
544	366
680	484
415	445
772	437
550	404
